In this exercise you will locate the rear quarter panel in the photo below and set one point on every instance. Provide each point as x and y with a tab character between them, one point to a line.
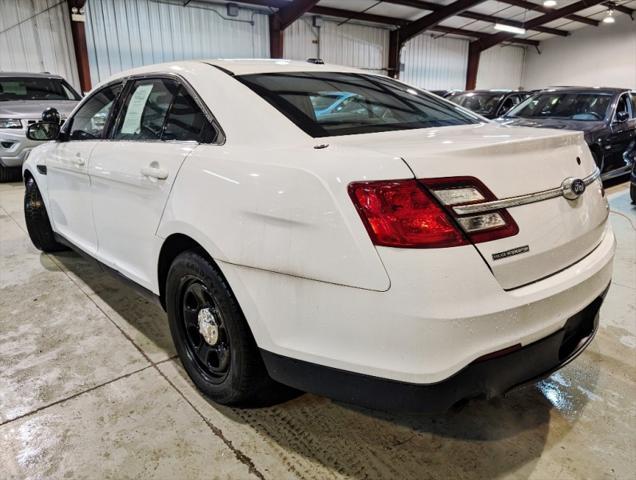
285	210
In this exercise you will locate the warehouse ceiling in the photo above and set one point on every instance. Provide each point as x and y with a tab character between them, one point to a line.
481	16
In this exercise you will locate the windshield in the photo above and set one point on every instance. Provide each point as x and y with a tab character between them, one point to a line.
483	103
32	88
331	103
571	106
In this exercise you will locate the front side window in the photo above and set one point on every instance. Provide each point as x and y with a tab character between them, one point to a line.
35	88
333	103
89	122
583	106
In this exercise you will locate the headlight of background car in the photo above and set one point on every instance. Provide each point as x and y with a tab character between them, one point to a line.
10	123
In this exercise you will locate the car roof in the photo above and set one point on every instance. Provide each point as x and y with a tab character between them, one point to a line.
243	66
28	74
612	90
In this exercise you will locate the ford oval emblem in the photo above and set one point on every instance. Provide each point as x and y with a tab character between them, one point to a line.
573	188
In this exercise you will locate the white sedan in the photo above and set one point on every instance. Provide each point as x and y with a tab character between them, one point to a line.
395	251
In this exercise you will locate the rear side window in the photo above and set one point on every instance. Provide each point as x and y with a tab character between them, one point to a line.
333	103
161	109
145	111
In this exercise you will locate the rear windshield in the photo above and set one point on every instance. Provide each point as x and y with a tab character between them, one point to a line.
482	103
571	106
326	104
30	88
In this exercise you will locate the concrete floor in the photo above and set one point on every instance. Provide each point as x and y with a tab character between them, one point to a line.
90	387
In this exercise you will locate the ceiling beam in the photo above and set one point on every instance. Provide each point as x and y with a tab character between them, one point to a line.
555	14
540	8
621	8
424	5
291	12
435	18
382	19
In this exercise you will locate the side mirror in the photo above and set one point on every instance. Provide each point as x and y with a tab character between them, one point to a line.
42	131
622	117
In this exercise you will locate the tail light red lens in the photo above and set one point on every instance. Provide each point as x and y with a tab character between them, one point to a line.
484	227
402	214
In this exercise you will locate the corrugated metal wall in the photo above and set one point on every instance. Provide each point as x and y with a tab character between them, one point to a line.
501	67
123	34
435	63
349	44
35	36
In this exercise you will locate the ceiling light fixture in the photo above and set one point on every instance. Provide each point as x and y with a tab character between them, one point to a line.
549	3
610	17
509	28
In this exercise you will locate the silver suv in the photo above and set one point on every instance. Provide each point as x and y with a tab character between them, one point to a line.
23	98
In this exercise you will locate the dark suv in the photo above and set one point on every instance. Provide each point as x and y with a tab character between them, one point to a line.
607	117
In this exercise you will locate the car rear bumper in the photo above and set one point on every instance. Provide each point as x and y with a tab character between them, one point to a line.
489	376
443	311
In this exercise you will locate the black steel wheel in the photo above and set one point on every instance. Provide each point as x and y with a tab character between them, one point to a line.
37	219
207	341
212	337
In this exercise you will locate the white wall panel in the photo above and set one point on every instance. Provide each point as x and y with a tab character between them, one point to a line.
435	63
35	36
604	56
350	44
123	34
501	67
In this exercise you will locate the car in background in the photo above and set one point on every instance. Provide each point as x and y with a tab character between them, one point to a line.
606	116
488	103
400	254
23	98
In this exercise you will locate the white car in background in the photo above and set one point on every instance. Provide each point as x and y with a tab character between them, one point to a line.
400	253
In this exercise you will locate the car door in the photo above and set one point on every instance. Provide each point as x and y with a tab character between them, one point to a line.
622	132
158	126
67	168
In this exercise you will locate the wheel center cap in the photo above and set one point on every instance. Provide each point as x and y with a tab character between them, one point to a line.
208	327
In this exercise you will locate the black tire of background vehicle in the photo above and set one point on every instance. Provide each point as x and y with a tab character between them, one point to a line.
10	174
247	382
632	192
37	220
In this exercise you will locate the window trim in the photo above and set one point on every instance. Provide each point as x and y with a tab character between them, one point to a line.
182	83
68	124
632	114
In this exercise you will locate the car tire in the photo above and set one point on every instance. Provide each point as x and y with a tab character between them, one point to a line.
37	220
632	193
10	174
229	370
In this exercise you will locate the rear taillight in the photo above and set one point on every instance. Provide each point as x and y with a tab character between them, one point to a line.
482	227
402	214
419	213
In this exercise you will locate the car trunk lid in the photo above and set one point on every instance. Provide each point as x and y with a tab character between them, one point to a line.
554	232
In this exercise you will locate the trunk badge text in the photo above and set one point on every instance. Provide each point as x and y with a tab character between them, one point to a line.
573	188
511	252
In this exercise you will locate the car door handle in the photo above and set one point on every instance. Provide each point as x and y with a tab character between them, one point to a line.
154	172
